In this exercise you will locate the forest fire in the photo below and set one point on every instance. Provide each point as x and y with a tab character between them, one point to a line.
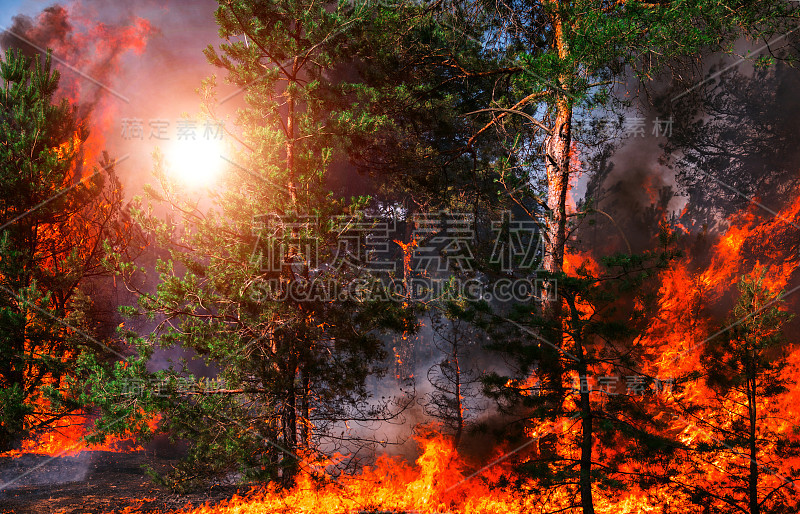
441	480
431	269
687	290
436	483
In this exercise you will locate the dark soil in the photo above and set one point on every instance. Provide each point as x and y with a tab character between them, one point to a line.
92	482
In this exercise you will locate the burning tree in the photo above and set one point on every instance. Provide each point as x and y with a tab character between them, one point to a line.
532	89
596	426
56	218
746	445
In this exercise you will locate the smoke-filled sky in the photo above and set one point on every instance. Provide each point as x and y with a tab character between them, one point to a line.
139	62
122	61
126	64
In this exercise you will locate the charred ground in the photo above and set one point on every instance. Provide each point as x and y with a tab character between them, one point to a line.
94	482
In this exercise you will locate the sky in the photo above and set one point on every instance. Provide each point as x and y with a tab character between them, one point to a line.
9	8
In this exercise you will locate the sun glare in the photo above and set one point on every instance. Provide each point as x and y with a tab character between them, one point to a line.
195	163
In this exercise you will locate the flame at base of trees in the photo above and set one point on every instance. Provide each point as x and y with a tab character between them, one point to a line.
439	481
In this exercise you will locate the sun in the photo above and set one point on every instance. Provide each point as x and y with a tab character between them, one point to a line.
195	163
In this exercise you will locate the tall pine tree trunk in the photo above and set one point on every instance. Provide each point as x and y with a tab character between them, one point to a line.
587	418
557	180
558	159
557	156
291	83
557	163
587	505
289	418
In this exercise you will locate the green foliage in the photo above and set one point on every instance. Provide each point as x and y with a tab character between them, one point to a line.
291	369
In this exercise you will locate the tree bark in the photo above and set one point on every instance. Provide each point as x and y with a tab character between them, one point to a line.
557	157
557	161
587	505
587	418
557	165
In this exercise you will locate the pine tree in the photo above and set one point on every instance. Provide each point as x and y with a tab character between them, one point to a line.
561	60
258	282
453	378
743	426
605	395
55	219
